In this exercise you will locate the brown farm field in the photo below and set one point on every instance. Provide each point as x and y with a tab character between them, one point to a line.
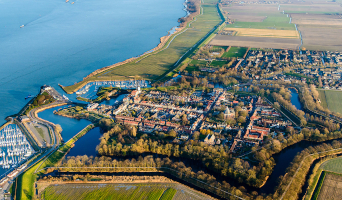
332	187
255	42
252	32
251	9
321	37
314	8
311	19
320	23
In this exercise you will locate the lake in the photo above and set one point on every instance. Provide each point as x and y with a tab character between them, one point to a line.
63	42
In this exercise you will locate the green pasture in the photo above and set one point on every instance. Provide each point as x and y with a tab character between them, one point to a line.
333	165
122	191
278	22
322	98
332	99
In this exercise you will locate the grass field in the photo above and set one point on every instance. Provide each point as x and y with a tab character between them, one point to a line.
277	22
191	68
272	33
333	165
322	98
150	191
199	62
237	52
332	99
156	64
25	187
216	63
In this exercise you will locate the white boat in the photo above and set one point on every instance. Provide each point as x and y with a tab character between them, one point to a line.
65	97
22	26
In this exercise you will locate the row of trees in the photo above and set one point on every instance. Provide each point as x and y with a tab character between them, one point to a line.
290	107
177	169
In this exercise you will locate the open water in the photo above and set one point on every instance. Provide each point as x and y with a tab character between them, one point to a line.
63	42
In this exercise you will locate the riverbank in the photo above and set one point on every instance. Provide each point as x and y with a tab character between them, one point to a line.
158	63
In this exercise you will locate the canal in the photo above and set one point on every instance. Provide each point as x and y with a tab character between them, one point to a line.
295	99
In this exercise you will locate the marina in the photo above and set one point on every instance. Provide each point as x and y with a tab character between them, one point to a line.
14	147
90	89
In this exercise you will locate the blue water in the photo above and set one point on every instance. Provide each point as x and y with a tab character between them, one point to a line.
70	126
62	43
295	99
86	145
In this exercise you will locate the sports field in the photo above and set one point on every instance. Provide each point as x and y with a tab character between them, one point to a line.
150	191
216	63
331	99
156	64
237	52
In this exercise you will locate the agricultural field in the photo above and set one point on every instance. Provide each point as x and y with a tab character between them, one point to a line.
320	23
273	33
318	37
312	8
237	52
257	26
320	20
257	16
331	188
256	42
332	99
150	191
158	63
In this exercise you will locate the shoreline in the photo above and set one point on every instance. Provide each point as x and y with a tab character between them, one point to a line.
163	41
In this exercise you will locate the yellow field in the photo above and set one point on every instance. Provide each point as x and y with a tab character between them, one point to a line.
264	32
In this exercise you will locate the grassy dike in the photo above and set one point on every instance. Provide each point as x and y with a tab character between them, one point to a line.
154	65
25	182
